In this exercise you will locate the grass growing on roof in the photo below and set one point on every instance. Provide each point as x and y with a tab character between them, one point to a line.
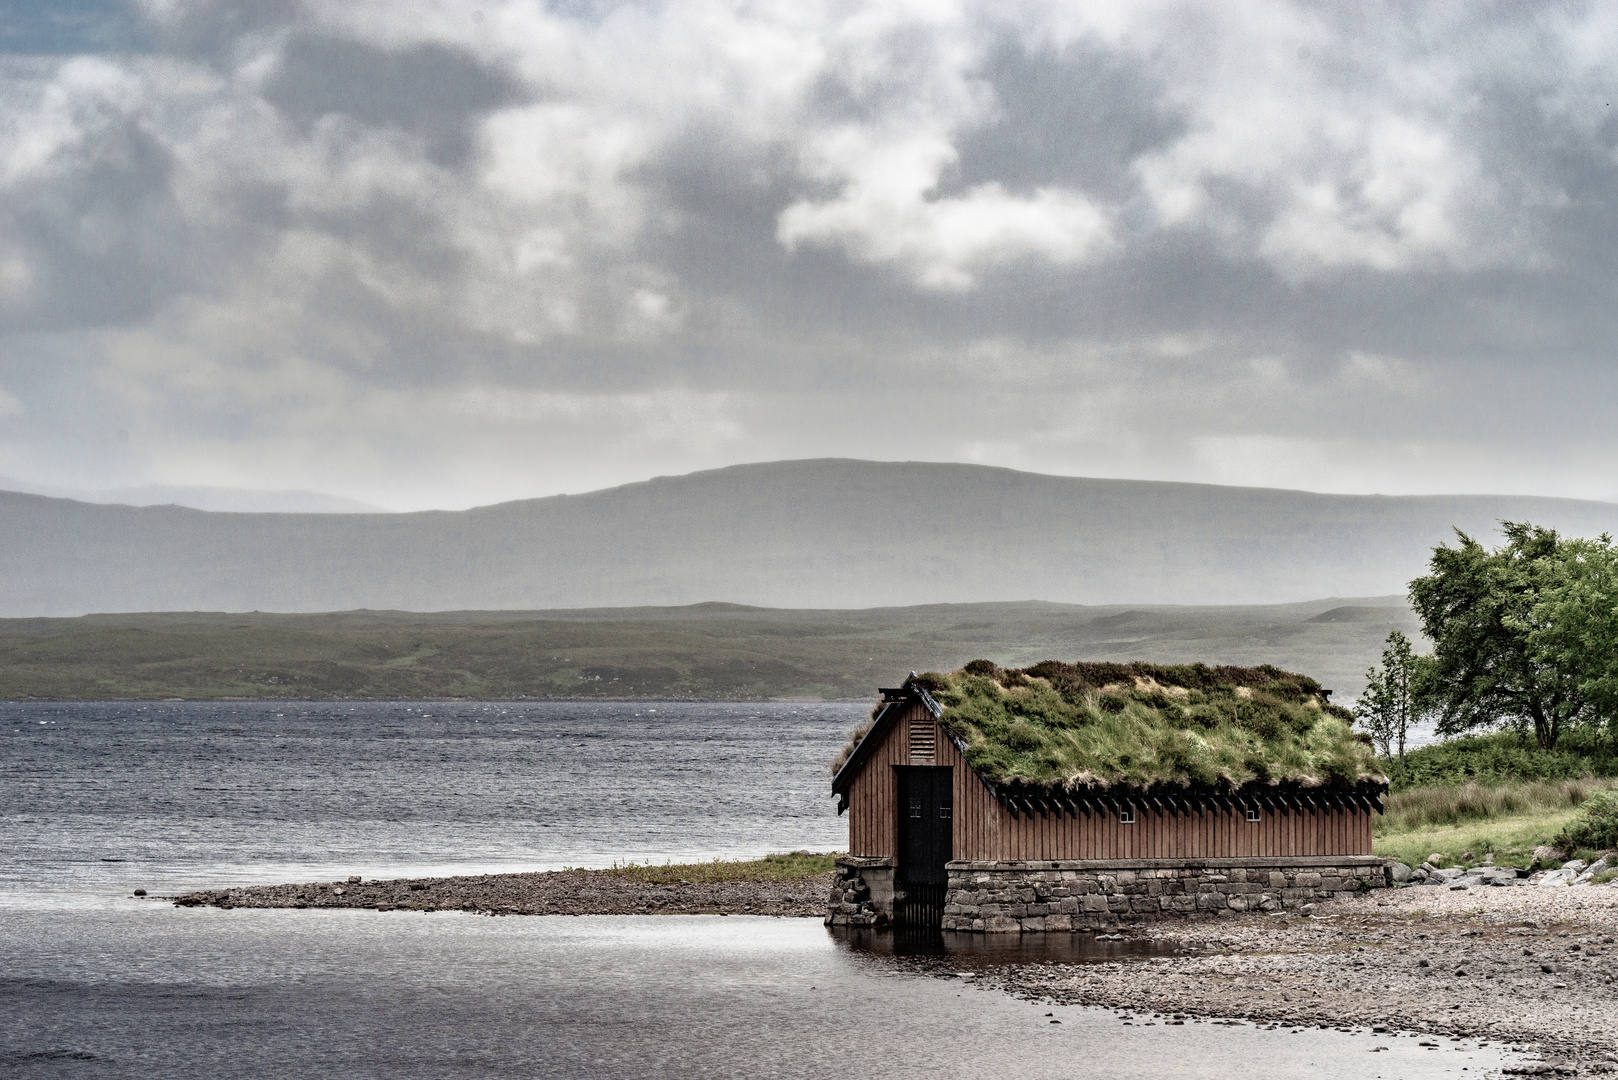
1076	725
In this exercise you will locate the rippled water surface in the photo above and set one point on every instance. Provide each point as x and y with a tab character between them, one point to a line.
203	794
95	983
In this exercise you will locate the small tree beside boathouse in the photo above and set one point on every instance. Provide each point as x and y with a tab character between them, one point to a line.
1066	797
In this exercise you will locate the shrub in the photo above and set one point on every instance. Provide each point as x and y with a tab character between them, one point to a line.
1022	736
1595	827
985	668
1505	755
1261	721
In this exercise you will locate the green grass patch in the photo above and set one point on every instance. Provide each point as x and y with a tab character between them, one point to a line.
1501	794
1074	725
791	866
1508	819
1511	840
1442	804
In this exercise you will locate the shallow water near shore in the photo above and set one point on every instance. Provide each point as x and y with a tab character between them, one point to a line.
156	991
95	983
986	951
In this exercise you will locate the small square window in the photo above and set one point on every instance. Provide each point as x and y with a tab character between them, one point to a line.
1253	813
943	812
915	808
1126	815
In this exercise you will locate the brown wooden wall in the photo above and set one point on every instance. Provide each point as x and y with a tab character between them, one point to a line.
985	830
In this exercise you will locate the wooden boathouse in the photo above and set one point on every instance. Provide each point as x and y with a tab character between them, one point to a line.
1081	796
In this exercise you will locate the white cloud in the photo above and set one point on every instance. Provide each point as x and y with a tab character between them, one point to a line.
888	211
1358	153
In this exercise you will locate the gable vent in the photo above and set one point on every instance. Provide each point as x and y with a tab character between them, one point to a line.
923	743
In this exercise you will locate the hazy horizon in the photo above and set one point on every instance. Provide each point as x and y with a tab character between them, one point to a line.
311	501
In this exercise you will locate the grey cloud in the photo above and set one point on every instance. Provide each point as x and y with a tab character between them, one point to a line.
104	239
350	243
430	91
1075	117
216	31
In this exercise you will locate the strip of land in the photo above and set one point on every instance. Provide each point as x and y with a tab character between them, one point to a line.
796	884
701	652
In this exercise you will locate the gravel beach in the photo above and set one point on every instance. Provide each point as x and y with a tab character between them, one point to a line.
1526	965
562	892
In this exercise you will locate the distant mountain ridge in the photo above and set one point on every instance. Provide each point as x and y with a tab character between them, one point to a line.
200	497
828	533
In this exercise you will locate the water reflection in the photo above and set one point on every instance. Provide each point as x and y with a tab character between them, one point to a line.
977	951
155	992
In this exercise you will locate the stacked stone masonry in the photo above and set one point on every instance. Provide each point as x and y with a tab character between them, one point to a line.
1035	897
861	893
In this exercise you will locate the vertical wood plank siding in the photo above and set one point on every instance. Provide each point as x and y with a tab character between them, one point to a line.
986	830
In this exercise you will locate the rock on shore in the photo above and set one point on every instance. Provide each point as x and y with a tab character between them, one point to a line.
562	892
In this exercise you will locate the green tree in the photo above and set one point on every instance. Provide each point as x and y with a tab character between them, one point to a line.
1494	662
1393	701
1574	621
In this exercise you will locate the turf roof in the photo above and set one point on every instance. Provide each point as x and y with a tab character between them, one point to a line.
1074	726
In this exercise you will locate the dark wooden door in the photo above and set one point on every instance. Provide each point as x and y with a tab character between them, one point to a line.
926	842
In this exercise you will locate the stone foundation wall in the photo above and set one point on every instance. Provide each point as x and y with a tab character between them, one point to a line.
1023	897
861	892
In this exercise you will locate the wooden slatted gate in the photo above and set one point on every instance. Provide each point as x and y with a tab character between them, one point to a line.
926	844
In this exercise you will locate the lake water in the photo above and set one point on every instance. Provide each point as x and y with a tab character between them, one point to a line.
96	983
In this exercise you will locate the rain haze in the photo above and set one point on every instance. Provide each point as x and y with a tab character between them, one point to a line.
423	255
718	481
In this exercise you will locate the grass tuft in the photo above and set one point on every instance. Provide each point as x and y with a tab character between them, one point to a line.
790	866
854	736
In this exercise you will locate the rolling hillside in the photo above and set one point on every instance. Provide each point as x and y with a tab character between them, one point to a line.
799	534
708	651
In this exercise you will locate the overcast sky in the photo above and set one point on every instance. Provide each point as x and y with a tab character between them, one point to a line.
427	253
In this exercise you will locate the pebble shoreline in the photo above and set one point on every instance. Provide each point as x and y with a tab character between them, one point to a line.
1528	966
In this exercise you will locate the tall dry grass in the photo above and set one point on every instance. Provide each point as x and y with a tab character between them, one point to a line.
1451	805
